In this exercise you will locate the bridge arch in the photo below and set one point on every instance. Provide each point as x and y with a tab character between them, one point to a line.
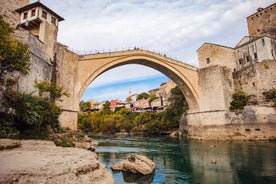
185	76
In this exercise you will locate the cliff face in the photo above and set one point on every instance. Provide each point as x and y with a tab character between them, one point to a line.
43	162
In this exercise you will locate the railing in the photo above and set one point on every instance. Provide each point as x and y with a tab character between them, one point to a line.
122	51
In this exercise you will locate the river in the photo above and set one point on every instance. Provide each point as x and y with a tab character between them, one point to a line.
178	161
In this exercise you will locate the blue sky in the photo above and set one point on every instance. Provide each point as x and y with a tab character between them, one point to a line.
174	27
123	89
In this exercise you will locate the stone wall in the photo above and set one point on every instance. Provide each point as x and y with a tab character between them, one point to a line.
256	79
233	132
252	115
41	66
7	10
216	87
67	69
263	22
252	123
215	121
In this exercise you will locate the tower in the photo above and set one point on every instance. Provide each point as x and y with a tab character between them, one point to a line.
42	22
263	22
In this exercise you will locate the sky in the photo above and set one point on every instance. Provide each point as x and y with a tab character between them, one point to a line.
176	28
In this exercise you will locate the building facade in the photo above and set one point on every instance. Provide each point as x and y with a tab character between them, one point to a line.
263	22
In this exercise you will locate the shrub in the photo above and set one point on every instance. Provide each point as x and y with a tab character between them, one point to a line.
240	99
31	115
56	92
84	121
270	95
266	66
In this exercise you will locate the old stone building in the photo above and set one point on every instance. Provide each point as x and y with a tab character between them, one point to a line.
162	93
39	31
37	26
263	22
210	54
253	49
249	66
42	23
217	62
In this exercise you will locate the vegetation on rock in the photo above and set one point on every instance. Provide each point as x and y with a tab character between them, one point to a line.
56	92
240	99
270	96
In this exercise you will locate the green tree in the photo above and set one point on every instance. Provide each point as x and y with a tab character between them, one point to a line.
14	55
106	108
85	106
152	97
143	95
143	118
178	105
84	121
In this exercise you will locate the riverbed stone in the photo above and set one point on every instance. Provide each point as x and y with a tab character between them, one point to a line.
137	164
43	162
9	144
78	139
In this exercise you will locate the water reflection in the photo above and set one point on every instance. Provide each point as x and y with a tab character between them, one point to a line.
139	179
193	161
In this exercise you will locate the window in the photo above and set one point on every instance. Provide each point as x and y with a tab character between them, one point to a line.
44	14
255	55
53	20
240	61
208	60
25	15
263	41
33	12
247	58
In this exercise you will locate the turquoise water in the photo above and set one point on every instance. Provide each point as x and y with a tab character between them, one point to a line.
181	162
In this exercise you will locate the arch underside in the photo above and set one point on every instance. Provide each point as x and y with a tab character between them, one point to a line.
189	93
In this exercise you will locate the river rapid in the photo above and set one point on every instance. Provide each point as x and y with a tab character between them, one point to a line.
178	161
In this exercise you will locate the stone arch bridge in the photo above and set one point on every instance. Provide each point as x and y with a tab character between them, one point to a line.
86	68
185	76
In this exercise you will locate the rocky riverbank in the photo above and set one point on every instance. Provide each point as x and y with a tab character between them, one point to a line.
34	161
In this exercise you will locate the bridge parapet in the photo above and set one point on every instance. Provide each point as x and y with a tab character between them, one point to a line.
129	52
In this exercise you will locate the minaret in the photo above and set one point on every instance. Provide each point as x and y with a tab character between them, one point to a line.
129	91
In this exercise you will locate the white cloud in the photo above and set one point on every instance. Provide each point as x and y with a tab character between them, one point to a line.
125	74
165	26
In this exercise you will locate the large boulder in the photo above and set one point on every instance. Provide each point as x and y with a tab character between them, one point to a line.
6	144
43	162
70	138
137	164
